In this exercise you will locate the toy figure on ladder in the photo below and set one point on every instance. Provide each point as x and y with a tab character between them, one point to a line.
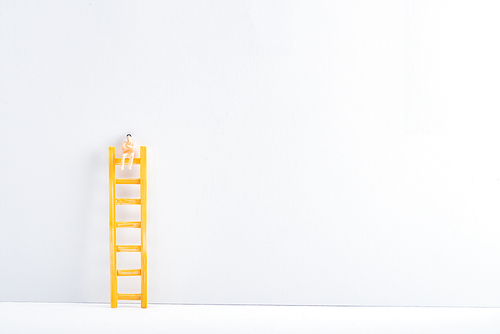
128	154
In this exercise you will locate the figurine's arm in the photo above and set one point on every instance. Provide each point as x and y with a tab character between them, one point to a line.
127	146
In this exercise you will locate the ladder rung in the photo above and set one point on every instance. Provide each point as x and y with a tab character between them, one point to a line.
128	224
129	296
128	272
127	201
128	181
128	248
118	161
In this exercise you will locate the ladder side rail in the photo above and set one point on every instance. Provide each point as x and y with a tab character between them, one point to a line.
144	241
112	227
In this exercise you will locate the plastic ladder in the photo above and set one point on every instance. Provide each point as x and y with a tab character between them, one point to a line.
113	225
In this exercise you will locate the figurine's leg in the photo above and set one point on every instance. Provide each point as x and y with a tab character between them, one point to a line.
131	161
123	161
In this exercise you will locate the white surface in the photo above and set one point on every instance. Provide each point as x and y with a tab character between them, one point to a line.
301	152
99	318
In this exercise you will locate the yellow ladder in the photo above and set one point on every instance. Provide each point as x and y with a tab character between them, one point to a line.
113	225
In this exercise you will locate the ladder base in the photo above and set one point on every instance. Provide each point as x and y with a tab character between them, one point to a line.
129	296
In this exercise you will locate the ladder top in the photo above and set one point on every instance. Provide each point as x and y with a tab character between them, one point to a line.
118	161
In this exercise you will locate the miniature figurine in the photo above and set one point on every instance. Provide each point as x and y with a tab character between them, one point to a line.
128	151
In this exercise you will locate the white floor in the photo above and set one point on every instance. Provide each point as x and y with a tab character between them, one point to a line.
161	318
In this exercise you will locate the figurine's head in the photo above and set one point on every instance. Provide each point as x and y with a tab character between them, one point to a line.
129	137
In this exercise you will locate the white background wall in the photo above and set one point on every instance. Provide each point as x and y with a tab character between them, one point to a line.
300	152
